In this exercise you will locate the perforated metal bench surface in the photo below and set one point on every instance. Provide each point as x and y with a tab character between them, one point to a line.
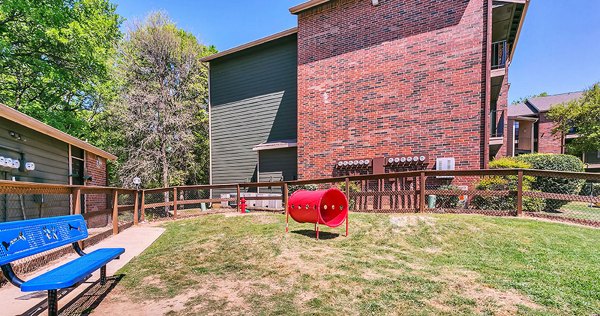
22	239
72	272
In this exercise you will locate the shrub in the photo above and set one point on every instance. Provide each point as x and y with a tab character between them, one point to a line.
308	187
447	201
590	189
555	185
509	163
502	183
495	202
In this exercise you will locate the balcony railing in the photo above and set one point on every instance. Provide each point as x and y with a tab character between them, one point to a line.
497	123
499	54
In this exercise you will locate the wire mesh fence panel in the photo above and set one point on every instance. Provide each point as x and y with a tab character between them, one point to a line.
570	199
479	194
194	201
16	207
158	204
126	204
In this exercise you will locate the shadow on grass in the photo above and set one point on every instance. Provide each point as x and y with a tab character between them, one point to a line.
84	303
313	234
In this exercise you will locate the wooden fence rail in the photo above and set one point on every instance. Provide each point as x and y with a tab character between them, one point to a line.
402	191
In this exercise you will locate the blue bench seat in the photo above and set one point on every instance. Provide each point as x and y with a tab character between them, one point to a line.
73	272
22	239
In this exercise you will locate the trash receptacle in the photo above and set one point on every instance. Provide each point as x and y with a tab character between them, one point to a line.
431	199
203	207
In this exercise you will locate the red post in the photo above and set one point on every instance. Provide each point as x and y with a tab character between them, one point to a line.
242	205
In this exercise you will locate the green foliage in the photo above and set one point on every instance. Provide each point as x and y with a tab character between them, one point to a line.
158	118
555	185
506	183
447	201
584	115
54	58
495	202
590	189
509	163
307	187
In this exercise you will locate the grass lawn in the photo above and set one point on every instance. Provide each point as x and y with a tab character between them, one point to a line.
579	210
390	264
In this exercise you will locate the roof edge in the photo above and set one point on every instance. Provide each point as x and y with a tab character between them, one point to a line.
257	42
29	122
307	5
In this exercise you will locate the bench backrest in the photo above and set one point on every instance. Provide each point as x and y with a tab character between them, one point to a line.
22	239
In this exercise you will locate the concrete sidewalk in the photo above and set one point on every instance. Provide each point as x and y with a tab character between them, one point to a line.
135	240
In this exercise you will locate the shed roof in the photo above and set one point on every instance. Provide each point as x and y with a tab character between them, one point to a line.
29	122
251	44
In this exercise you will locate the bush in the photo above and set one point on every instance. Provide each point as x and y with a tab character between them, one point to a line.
307	187
555	185
509	163
495	202
503	183
447	201
590	189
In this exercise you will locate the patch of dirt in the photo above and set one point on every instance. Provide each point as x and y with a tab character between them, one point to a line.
412	221
465	284
230	292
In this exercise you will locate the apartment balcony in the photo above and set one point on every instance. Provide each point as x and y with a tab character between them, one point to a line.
497	127
499	57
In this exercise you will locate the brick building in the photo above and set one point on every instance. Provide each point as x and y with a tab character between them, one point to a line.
530	130
365	86
47	155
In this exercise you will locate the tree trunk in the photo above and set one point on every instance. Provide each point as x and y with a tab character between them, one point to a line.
165	175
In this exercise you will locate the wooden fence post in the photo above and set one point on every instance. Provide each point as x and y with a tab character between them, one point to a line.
284	196
115	213
143	207
76	200
520	193
237	198
77	207
136	211
422	193
175	203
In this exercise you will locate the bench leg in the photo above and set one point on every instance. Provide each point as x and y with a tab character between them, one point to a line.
52	303
103	275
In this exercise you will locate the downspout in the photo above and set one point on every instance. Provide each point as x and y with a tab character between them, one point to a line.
488	79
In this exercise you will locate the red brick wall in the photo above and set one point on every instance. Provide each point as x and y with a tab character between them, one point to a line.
95	167
547	143
404	77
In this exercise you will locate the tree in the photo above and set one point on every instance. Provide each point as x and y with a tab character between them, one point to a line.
583	115
522	100
54	58
159	116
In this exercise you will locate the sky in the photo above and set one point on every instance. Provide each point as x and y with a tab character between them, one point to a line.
558	50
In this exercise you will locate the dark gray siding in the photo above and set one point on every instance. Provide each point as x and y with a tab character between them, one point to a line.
51	162
277	165
253	100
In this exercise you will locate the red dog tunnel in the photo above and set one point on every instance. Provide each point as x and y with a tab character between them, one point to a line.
326	207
